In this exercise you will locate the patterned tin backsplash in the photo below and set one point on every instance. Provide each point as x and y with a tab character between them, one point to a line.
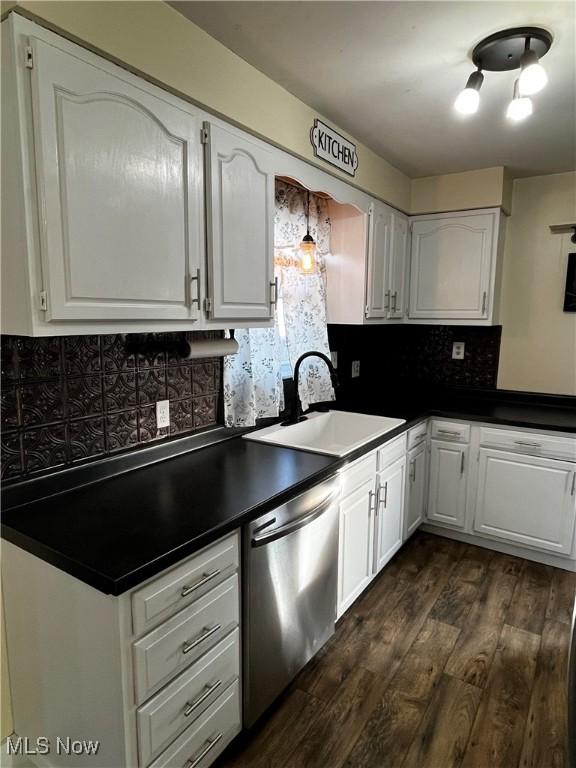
67	400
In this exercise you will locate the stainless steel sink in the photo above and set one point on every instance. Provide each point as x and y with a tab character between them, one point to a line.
335	433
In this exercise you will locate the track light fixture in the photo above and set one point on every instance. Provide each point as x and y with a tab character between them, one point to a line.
518	48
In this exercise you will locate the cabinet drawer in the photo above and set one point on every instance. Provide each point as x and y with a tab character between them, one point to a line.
451	430
175	590
391	452
417	434
178	642
205	739
185	699
358	473
532	443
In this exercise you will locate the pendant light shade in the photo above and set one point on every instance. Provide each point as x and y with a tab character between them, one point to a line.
307	246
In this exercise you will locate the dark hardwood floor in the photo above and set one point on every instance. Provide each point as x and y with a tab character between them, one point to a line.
455	656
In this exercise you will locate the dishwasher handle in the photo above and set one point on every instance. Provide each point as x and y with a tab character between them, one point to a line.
293	525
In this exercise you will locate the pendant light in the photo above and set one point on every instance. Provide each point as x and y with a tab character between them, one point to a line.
520	107
307	246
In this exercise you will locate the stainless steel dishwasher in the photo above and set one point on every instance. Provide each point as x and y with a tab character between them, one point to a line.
290	573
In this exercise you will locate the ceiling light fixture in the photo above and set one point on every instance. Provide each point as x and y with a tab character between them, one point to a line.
307	246
520	107
517	48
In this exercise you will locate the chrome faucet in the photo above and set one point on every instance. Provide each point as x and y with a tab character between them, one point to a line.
296	413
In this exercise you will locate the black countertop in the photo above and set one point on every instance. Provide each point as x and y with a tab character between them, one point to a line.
117	532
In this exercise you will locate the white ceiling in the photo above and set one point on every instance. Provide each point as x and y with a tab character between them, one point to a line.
388	73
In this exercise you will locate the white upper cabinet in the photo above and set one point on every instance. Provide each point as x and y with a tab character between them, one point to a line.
240	226
118	178
387	252
527	500
454	267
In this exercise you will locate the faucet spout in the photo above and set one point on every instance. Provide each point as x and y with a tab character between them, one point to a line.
296	410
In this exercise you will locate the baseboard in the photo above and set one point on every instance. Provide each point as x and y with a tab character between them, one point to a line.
566	563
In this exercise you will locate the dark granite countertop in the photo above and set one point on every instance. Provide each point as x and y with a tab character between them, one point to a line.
119	531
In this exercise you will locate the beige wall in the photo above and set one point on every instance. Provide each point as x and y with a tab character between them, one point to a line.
5	704
484	188
538	350
154	39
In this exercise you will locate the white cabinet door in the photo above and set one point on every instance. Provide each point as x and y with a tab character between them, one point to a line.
397	270
379	243
526	499
451	262
389	512
415	490
240	227
448	478
119	181
356	544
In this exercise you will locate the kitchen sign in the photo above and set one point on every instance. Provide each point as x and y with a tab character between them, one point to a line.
333	148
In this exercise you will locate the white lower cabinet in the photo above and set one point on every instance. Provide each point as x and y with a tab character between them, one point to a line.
165	695
448	480
389	512
528	500
415	490
356	544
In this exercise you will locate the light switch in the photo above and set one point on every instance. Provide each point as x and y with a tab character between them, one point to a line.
162	414
458	350
355	369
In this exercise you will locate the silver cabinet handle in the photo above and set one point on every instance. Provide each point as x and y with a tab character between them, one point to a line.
394	301
528	443
196	279
274	292
194	761
450	432
413	470
484	300
206	633
387	300
206	577
371	496
383	488
462	463
192	705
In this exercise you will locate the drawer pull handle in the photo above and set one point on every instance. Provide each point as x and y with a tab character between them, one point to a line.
462	463
528	443
413	470
451	432
194	761
206	577
383	489
206	633
192	705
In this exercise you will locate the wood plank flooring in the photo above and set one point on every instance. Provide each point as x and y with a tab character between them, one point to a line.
455	656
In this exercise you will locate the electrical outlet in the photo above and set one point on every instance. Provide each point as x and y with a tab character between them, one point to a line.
162	414
355	369
458	350
334	357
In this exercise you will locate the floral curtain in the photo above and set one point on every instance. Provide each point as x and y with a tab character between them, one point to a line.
253	386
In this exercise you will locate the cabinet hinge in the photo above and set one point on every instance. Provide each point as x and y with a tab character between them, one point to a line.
207	304
43	298
29	57
204	134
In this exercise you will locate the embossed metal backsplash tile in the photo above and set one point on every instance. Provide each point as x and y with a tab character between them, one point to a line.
71	399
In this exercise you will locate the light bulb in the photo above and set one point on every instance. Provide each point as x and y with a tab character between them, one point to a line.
533	76
468	100
520	107
307	253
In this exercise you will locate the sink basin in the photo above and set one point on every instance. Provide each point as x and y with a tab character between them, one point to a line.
335	433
